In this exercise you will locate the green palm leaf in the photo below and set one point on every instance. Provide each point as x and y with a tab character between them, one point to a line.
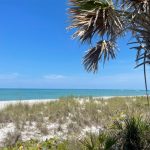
92	17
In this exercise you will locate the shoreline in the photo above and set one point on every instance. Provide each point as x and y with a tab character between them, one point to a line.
5	103
64	119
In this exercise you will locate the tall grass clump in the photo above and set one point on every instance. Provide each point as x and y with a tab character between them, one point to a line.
133	134
129	134
74	118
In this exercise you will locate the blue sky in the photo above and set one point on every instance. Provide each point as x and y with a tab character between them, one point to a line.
36	51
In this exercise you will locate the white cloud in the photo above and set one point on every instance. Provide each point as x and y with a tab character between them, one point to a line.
53	77
9	76
132	80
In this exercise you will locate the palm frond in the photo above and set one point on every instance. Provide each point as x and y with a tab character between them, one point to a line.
104	50
142	29
92	17
135	6
131	134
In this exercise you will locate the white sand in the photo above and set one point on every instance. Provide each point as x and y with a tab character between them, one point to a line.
4	130
30	102
34	101
31	131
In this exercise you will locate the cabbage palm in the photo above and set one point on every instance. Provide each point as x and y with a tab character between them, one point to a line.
142	28
109	20
94	17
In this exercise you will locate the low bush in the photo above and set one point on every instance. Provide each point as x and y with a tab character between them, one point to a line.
130	133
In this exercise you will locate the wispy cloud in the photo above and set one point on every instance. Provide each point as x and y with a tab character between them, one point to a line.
9	76
132	80
53	77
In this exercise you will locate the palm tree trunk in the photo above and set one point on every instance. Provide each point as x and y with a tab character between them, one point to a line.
145	78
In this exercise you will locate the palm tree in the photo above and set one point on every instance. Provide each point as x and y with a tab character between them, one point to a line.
109	20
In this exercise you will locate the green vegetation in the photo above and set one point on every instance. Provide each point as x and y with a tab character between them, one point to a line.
125	134
101	23
71	120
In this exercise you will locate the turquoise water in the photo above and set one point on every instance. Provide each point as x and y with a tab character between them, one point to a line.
26	94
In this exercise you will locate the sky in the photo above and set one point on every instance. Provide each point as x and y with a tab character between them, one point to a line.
36	51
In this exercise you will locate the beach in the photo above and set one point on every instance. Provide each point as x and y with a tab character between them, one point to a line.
64	118
32	96
5	103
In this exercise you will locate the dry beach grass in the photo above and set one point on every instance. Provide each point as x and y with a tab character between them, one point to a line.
66	118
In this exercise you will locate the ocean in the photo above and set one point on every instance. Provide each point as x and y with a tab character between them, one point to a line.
29	94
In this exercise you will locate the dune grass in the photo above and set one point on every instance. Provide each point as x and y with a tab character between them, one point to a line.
69	116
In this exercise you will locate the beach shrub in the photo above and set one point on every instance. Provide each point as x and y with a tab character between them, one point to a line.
72	118
12	138
130	133
51	144
98	142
